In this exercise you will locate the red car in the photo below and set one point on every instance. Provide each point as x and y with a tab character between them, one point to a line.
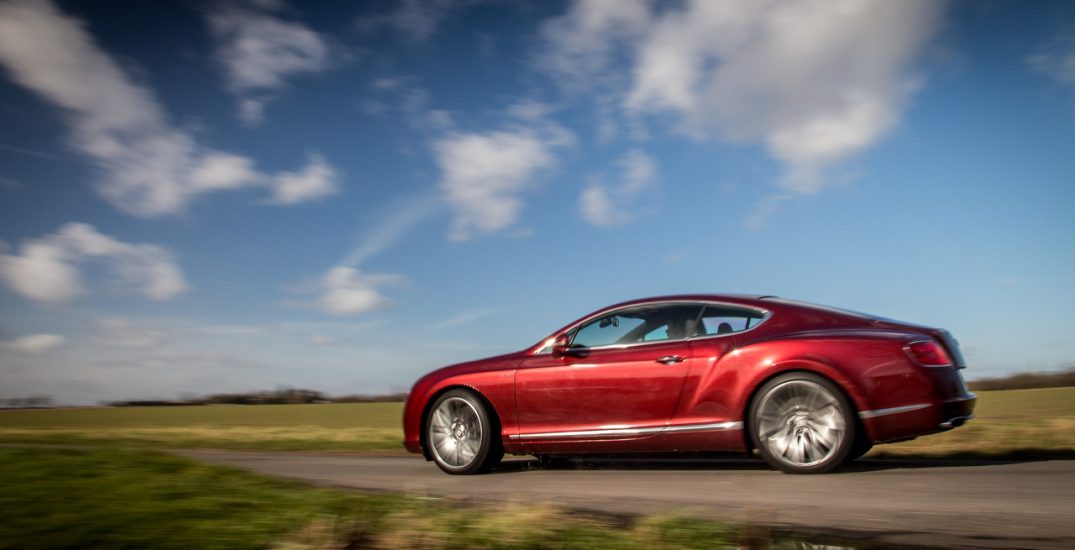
808	386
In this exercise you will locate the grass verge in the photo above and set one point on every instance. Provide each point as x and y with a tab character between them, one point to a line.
122	498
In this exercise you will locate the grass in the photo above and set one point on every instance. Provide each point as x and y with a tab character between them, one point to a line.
365	427
117	492
125	498
1007	423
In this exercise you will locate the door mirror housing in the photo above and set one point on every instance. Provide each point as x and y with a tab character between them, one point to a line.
560	345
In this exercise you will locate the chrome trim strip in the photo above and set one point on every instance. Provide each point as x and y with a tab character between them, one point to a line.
894	410
619	432
705	427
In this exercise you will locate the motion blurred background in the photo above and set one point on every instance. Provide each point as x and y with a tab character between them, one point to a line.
291	204
211	197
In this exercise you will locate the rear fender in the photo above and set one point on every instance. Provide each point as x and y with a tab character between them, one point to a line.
850	389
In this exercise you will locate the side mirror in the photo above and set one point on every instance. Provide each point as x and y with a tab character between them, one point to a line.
559	345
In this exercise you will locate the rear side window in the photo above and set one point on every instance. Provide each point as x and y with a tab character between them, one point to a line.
717	320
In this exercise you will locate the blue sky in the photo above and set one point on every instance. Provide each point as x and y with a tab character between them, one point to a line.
224	196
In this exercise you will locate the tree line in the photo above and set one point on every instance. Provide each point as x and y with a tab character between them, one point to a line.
279	396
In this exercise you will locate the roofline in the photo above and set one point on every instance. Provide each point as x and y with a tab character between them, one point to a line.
753	299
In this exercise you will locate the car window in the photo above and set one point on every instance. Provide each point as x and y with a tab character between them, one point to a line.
638	324
606	330
717	320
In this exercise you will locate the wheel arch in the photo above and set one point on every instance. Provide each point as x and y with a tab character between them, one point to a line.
494	415
841	383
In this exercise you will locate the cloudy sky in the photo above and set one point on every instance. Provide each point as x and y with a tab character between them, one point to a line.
199	197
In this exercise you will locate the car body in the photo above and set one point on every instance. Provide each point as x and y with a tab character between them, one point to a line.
808	386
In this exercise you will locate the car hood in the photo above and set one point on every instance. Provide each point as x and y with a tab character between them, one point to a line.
496	362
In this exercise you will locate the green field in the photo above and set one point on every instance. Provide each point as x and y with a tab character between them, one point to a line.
365	427
124	498
1008	422
1029	423
93	478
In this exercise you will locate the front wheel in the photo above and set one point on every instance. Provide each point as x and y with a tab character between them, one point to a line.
801	423
460	434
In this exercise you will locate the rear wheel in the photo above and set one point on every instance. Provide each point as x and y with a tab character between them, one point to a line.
801	423
861	446
460	434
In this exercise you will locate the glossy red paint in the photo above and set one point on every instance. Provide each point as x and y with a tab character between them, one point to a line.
694	393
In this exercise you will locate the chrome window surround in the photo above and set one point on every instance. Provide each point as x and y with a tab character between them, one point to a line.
765	315
622	432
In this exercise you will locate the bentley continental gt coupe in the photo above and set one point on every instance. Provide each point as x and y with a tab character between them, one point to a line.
809	387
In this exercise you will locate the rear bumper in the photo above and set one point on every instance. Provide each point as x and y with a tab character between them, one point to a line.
957	412
917	419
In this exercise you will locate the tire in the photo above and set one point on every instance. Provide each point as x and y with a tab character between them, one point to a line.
460	433
861	446
801	423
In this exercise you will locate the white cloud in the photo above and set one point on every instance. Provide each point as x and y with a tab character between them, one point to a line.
315	181
348	291
463	318
35	343
596	207
766	208
388	83
29	152
585	39
322	340
417	20
606	205
344	289
259	50
220	171
121	333
401	217
1056	61
148	167
483	174
123	359
47	269
814	81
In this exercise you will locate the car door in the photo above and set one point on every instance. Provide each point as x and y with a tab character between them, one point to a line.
621	378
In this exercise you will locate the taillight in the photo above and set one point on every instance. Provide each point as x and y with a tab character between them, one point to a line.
928	353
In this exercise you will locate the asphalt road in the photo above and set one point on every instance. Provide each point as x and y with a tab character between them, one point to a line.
897	502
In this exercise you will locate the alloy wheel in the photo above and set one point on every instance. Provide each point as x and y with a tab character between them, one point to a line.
801	425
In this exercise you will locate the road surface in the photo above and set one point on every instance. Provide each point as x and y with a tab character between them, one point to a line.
888	501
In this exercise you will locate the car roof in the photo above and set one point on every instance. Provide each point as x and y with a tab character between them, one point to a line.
755	300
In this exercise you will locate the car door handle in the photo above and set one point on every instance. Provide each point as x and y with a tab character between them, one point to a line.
670	359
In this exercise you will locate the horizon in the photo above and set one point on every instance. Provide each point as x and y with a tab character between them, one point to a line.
206	197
